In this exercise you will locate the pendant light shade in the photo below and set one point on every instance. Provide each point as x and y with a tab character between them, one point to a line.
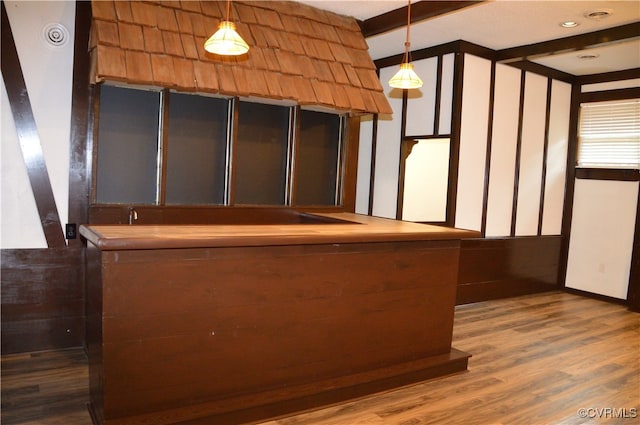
226	41
406	77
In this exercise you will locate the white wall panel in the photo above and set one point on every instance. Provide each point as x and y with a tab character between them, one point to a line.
558	145
364	164
19	218
473	142
611	85
446	93
48	73
503	150
531	154
426	181
421	103
385	189
602	230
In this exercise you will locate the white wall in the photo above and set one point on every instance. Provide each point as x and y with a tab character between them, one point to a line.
602	230
473	142
557	149
421	103
446	93
420	122
364	164
531	154
426	181
48	75
503	150
502	172
385	189
473	146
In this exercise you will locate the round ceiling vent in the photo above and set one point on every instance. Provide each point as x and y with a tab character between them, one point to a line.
599	14
588	56
55	35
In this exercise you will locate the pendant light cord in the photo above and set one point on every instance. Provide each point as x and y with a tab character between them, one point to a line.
228	8
407	43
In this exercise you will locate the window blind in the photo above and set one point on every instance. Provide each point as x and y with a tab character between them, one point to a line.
610	134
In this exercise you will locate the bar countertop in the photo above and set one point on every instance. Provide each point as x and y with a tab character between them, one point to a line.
360	228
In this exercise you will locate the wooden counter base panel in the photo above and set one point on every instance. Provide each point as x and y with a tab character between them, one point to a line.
229	334
308	397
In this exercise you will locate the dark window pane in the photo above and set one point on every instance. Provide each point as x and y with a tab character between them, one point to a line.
197	147
127	146
318	153
261	154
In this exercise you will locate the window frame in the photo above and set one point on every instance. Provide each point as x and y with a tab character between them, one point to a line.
231	142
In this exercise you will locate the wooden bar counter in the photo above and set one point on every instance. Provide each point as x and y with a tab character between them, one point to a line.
224	324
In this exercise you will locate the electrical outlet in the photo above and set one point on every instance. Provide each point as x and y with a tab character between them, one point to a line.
71	231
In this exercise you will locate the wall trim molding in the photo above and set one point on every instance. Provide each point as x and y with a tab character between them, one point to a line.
605	95
622	175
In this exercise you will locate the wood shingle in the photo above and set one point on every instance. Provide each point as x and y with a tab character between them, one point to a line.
297	52
153	40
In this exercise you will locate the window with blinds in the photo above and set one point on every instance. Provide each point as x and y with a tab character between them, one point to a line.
609	134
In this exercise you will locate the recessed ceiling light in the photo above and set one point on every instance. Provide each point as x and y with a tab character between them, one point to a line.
569	24
588	56
596	15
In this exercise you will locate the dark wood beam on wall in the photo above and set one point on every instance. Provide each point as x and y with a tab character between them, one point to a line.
570	183
606	95
536	68
487	159
350	164
372	169
604	77
454	146
406	146
81	130
28	137
420	11
516	177
458	46
568	44
545	154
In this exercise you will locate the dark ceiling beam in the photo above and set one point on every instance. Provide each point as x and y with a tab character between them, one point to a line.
568	44
419	11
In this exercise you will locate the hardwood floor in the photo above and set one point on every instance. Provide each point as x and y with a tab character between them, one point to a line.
537	360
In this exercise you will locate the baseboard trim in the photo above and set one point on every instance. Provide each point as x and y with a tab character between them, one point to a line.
592	295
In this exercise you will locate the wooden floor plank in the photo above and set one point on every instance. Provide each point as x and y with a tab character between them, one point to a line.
536	360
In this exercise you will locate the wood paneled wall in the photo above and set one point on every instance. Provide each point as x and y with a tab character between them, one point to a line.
42	289
499	268
42	299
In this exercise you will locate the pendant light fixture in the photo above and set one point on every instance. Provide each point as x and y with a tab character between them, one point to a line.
406	78
226	41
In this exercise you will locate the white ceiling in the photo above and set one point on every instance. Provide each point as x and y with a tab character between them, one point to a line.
503	24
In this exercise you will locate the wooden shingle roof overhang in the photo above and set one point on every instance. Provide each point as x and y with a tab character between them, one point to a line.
298	53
